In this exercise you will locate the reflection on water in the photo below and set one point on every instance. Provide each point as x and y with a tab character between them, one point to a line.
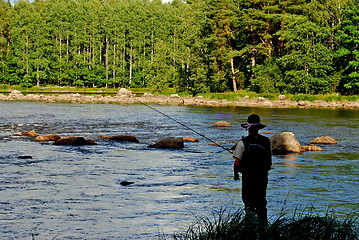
290	161
75	192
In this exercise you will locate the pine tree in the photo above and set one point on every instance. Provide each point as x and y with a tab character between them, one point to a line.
347	54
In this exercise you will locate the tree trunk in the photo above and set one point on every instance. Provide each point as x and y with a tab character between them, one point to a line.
27	54
106	61
152	46
114	64
131	57
37	76
60	40
124	54
234	82
93	52
67	50
253	62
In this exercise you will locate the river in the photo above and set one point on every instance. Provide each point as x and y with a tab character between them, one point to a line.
69	192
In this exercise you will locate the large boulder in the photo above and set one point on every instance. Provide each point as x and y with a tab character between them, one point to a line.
175	96
169	142
282	97
123	92
123	138
16	95
74	141
285	142
48	137
324	140
30	133
148	95
221	124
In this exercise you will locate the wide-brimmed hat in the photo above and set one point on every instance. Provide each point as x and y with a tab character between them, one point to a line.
253	121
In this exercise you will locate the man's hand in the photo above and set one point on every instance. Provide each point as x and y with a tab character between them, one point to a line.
236	176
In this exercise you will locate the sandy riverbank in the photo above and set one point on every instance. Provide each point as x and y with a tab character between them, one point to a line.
126	97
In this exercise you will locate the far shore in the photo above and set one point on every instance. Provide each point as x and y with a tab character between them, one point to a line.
125	96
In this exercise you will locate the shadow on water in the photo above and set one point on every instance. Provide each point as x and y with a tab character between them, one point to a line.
76	191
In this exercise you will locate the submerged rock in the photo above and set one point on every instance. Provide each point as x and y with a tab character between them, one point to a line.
48	137
126	183
169	142
24	157
122	138
324	140
190	140
74	141
30	133
222	124
311	148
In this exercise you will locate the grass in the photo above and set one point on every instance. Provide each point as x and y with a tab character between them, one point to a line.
238	226
324	97
42	89
230	96
233	96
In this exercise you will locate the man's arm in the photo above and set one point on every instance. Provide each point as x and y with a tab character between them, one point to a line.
236	168
237	154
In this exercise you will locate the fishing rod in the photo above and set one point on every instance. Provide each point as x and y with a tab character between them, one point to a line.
184	125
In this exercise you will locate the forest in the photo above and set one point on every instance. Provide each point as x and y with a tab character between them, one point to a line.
194	46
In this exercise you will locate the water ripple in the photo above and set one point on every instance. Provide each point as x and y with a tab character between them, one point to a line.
76	192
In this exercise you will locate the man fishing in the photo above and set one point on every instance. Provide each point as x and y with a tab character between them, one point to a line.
253	159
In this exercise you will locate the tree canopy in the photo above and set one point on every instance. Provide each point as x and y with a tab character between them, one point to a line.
296	46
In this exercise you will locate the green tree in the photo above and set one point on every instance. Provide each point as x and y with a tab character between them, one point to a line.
41	46
5	14
262	20
22	40
221	42
269	78
347	54
307	62
193	45
5	39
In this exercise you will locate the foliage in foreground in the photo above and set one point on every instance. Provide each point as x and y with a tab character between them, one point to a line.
238	226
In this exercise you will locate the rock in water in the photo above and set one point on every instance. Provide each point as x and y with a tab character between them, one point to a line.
324	140
190	140
48	137
124	138
285	142
311	148
126	183
169	142
222	124
74	141
30	133
24	157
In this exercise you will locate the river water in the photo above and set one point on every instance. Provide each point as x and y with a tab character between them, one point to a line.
68	192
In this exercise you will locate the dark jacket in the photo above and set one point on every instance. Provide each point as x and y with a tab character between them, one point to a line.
257	155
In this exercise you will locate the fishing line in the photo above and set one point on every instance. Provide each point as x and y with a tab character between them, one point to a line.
184	125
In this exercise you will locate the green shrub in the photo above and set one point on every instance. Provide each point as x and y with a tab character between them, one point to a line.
239	226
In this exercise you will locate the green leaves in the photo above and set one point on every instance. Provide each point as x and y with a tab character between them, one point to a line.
55	41
347	53
213	45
